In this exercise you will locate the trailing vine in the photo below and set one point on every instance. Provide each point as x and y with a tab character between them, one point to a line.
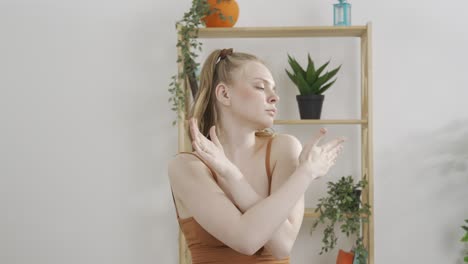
188	44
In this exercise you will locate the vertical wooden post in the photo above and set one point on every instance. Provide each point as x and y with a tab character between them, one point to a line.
370	138
366	138
184	253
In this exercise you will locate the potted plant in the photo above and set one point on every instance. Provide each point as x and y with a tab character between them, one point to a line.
465	238
188	43
311	85
343	205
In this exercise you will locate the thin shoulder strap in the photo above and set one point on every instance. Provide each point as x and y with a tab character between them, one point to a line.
267	162
177	211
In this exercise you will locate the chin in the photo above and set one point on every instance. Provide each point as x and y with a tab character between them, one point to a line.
266	123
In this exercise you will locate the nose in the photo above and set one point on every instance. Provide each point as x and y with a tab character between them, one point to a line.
273	98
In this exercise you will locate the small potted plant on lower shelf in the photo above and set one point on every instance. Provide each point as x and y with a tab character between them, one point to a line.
343	205
465	238
311	85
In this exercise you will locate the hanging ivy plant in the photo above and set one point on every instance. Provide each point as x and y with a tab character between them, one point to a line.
188	43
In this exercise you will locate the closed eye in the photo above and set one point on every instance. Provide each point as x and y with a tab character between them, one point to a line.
260	88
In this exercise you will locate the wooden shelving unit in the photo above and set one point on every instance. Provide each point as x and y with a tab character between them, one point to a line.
365	122
282	32
323	121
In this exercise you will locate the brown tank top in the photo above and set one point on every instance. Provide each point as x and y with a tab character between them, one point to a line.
205	248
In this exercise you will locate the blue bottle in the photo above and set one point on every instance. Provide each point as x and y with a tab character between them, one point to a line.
342	13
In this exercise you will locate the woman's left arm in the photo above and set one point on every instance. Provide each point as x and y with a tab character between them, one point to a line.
244	196
233	183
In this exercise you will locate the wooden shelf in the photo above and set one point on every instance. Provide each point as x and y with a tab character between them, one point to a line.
319	121
314	121
283	32
309	213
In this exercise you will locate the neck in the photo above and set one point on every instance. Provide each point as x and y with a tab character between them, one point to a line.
238	144
238	140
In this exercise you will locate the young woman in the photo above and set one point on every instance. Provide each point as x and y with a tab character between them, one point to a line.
239	196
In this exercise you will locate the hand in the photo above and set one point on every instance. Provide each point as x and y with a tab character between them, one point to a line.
319	159
211	151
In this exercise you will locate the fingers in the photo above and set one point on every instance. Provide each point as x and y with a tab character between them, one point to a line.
319	136
196	146
315	139
196	134
199	151
312	143
197	143
214	137
193	129
332	144
334	154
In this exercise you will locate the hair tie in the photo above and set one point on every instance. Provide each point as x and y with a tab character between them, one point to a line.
223	54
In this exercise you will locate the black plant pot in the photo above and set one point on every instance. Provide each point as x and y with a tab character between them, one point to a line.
310	106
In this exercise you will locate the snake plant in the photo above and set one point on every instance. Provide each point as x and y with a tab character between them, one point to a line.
310	81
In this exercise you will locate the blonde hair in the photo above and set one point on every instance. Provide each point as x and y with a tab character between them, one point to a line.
213	72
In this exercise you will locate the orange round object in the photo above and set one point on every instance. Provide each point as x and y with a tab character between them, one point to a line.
344	257
227	8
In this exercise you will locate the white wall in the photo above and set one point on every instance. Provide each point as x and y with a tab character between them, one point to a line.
86	128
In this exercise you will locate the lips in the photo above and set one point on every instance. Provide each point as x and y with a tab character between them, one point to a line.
273	111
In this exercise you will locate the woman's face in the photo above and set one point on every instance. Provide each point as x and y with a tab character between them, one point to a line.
253	95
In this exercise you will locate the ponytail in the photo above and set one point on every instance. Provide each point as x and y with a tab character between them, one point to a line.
214	71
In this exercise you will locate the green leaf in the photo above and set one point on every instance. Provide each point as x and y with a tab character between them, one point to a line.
303	85
324	88
310	75
325	78
292	77
465	259
319	71
465	238
296	67
334	72
319	82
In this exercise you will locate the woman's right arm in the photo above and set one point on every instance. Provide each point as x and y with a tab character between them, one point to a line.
193	184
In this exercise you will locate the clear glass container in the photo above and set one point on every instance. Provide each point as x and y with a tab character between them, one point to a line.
342	13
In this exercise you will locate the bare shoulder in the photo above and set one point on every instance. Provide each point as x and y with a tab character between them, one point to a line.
188	177
194	185
285	146
181	164
285	151
182	159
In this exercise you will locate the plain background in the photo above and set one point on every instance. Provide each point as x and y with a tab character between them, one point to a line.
86	128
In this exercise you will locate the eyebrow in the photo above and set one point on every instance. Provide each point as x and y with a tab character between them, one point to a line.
274	87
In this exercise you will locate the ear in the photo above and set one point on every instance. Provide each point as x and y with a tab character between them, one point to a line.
223	93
